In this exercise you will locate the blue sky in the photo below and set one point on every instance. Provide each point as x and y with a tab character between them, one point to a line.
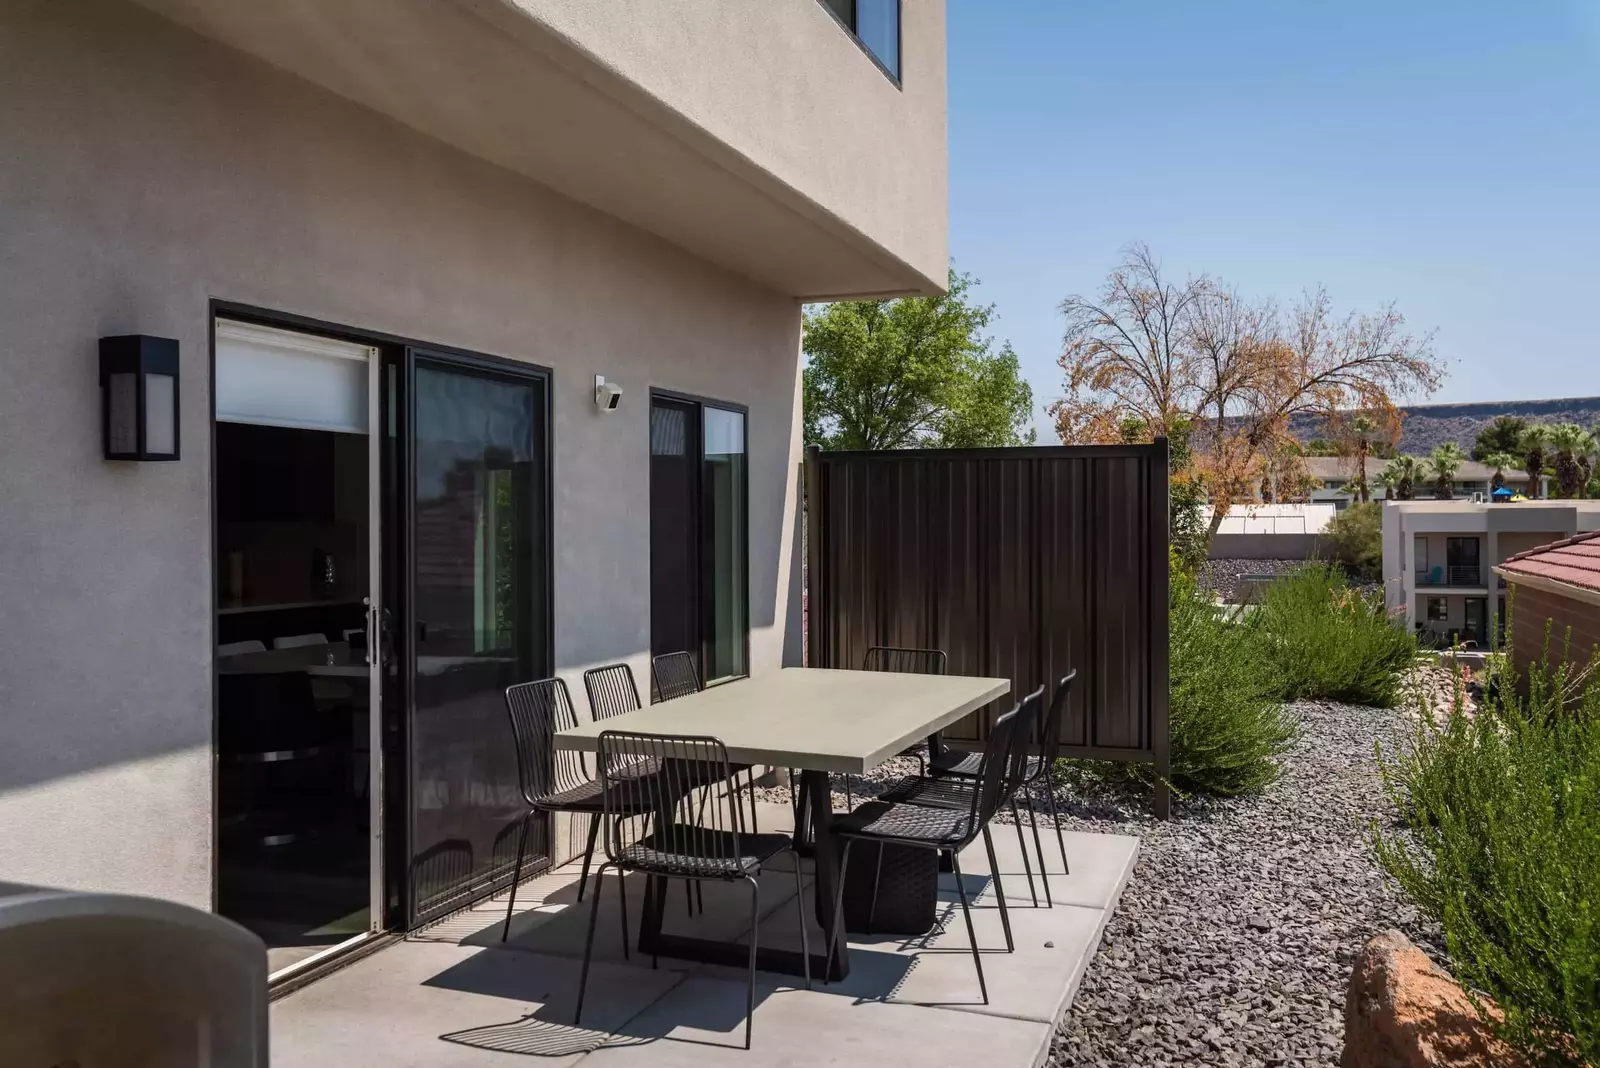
1443	155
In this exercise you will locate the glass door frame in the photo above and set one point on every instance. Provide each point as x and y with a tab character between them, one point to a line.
706	606
401	853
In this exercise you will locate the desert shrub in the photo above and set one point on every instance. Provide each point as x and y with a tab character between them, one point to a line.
1227	724
1326	640
1354	538
1501	848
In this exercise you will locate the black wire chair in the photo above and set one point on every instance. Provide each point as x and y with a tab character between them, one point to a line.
1039	776
696	843
674	675
949	827
907	662
611	691
551	779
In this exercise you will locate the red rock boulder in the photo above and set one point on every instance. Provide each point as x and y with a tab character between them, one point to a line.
1403	1011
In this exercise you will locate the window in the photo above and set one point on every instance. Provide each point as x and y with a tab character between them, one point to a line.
875	24
1421	544
699	570
1438	610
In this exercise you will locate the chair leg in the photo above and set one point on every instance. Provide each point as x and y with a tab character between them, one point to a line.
1055	817
999	890
800	901
1022	843
838	911
1038	848
588	853
622	892
588	944
516	875
750	992
966	911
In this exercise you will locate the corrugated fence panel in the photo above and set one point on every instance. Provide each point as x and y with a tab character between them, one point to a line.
1020	563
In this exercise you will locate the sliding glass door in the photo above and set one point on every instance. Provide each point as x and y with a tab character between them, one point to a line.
699	570
478	617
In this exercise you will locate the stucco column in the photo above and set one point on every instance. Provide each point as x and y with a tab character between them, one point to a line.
1491	582
1408	573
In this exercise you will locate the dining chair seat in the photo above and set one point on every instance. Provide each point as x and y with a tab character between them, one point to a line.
921	824
701	853
923	790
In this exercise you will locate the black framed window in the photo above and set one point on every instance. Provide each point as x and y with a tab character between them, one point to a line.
875	24
699	534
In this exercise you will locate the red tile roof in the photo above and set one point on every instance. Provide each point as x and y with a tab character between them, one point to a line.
1575	561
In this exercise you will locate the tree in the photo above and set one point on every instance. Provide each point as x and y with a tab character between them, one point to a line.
1573	448
1533	446
1239	369
1360	435
1499	461
1504	435
1354	538
1321	447
1444	463
916	371
1404	471
1389	479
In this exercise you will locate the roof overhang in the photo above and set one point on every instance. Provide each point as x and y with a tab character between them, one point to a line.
1549	585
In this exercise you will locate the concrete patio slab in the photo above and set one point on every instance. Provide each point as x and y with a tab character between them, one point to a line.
454	995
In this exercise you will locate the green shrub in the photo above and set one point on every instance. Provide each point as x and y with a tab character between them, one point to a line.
1502	850
1326	640
1227	724
1354	538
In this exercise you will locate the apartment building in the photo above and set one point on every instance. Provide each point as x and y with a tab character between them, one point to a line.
1439	558
364	358
1333	480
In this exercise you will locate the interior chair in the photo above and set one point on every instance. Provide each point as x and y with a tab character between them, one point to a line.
699	843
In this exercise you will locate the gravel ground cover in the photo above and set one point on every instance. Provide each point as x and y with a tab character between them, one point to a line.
1234	940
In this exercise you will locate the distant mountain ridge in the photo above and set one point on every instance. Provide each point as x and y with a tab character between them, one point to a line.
1428	426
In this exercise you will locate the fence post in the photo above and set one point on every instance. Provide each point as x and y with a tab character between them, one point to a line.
811	502
1160	652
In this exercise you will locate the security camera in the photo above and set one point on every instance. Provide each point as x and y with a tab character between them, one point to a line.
607	395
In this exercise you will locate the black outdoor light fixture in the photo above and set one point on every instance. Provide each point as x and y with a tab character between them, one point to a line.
139	397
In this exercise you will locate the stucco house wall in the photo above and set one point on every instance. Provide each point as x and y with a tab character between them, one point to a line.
148	171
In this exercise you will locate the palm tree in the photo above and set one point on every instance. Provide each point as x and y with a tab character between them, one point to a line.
1361	428
1535	443
1405	470
1573	446
1499	461
1389	479
1444	463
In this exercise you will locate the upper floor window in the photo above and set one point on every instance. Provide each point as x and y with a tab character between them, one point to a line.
876	26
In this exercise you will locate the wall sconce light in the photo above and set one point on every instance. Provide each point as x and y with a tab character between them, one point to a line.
607	395
139	397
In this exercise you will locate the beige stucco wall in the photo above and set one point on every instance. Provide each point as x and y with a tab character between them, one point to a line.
147	171
780	82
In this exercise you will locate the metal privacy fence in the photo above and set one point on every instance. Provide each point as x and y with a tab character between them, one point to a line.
1021	563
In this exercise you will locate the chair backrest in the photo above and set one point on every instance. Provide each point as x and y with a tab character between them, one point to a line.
674	675
611	690
1049	732
995	769
254	645
705	828
537	711
1030	717
906	661
295	641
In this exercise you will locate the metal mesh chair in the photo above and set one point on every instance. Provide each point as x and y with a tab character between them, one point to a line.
908	662
948	828
551	779
611	690
1038	776
694	842
674	675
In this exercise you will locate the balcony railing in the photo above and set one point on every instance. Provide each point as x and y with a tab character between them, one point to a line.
1452	575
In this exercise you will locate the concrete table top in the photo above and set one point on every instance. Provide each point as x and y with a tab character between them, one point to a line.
816	719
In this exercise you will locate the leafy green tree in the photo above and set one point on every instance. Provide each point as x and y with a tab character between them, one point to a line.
1321	447
1504	435
1405	471
1444	463
1354	538
1534	449
912	372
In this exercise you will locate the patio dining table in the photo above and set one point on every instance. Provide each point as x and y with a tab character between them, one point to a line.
817	720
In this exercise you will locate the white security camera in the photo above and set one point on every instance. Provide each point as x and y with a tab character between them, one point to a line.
607	395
